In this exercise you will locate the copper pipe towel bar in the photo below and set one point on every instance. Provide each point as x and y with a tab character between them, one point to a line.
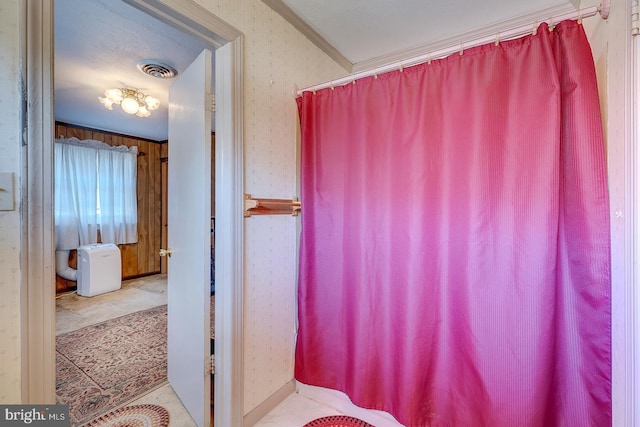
255	206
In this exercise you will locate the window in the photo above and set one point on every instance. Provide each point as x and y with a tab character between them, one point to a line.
95	188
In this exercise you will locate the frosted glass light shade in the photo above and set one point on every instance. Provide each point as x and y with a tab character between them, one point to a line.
130	105
143	112
152	103
114	94
108	103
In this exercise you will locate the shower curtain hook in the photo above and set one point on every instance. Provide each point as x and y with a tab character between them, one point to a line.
497	38
551	24
461	49
535	29
580	17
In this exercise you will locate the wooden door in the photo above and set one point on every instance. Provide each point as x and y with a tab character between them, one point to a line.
189	214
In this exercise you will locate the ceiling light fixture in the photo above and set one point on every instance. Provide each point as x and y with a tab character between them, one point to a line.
131	101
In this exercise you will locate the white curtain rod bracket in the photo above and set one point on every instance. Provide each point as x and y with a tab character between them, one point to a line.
602	9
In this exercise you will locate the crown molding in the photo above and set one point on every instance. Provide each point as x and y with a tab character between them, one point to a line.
292	18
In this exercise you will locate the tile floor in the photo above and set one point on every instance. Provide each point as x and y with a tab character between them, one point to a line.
296	411
310	403
74	312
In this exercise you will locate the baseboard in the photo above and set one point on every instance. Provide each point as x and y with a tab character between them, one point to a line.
269	404
340	402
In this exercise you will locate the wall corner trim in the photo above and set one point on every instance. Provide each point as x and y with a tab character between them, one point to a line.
269	404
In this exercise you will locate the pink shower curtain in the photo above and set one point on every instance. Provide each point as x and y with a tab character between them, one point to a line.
455	263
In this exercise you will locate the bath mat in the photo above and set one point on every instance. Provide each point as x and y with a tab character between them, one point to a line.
338	421
134	416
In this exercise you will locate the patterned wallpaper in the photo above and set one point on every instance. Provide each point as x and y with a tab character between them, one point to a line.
9	220
276	57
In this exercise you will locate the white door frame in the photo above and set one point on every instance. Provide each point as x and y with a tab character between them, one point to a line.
38	243
633	222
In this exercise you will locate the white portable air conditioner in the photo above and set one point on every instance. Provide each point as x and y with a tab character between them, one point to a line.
99	269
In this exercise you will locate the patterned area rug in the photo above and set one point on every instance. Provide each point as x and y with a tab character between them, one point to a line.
110	364
338	421
103	366
134	416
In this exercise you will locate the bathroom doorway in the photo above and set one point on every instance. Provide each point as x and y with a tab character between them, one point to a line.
230	181
97	367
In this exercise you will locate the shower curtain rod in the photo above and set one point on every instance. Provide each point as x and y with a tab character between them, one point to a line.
602	9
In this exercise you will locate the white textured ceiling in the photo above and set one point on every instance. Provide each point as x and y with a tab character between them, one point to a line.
363	30
99	42
97	46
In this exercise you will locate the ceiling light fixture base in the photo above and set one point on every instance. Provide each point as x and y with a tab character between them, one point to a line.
131	100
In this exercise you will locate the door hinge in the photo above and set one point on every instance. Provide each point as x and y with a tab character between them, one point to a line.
635	12
210	367
210	103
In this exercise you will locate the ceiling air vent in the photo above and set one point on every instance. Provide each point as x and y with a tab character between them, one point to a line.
157	69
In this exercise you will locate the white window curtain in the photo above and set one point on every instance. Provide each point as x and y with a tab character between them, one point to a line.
95	188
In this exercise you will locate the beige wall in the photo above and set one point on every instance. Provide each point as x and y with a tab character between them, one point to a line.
10	220
610	43
276	57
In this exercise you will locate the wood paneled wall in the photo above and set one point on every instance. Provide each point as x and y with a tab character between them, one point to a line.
141	258
164	158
